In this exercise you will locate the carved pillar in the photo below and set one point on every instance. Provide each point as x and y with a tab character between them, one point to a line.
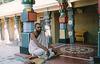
99	29
97	58
71	23
47	21
63	20
28	17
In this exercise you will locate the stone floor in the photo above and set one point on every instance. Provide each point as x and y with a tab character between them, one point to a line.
72	58
7	57
66	60
7	54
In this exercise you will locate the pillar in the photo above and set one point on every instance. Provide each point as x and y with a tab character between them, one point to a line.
54	27
71	23
97	58
6	31
47	21
16	31
28	16
0	30
63	21
99	29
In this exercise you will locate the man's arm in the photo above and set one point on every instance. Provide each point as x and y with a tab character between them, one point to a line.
37	43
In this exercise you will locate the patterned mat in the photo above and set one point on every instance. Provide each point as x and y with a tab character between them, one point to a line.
25	58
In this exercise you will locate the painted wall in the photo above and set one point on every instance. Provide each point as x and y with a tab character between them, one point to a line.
86	19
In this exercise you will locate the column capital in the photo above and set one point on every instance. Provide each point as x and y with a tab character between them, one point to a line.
28	1
98	6
63	6
6	19
16	18
62	1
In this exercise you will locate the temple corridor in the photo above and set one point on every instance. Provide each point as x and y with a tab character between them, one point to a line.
71	27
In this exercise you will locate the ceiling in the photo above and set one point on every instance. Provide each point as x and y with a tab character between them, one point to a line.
17	7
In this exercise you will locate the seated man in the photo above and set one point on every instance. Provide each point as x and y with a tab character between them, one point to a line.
38	46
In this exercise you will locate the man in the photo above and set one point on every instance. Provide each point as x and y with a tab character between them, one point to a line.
38	46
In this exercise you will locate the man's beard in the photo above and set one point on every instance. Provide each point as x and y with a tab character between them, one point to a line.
38	31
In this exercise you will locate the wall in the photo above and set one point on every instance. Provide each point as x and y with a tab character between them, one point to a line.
86	18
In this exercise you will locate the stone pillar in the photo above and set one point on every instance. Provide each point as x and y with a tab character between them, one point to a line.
71	31
99	38
6	30
16	20
63	20
47	21
7	22
99	29
16	31
97	58
0	30
28	17
54	27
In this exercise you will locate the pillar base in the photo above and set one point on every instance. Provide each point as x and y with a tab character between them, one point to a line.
65	41
97	60
24	50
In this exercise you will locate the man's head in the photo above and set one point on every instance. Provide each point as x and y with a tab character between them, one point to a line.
38	27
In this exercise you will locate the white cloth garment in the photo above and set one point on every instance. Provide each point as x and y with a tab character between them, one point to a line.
36	51
32	46
43	39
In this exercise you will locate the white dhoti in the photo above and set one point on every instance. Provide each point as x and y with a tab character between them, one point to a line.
36	51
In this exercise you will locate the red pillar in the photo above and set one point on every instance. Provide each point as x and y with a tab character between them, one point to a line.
98	6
